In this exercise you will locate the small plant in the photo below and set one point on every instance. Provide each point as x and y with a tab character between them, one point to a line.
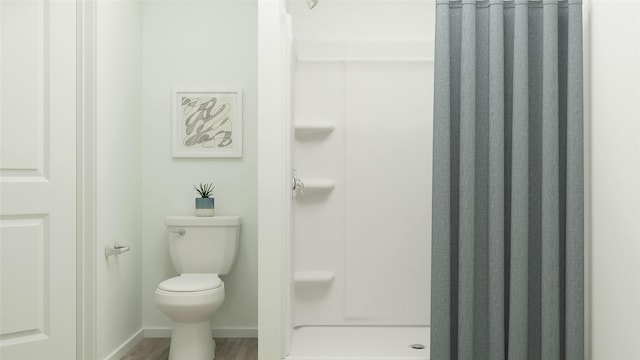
204	190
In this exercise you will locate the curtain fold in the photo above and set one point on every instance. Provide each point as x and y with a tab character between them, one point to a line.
507	259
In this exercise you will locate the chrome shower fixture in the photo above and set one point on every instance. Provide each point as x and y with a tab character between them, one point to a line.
312	3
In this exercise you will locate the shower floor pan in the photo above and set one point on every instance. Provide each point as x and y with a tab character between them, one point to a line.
360	343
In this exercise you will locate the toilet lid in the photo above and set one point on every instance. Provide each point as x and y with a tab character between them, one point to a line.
191	282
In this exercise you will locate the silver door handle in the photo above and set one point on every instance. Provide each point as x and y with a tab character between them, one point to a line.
117	249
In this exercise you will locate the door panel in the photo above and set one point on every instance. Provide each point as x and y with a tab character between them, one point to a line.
37	179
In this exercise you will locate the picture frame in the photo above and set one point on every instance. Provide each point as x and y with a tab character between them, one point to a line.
207	123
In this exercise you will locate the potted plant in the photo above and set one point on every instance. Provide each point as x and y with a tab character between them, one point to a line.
205	203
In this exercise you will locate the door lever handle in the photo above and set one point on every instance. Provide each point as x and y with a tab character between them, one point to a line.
117	249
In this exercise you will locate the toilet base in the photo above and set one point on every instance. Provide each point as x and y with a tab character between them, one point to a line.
192	341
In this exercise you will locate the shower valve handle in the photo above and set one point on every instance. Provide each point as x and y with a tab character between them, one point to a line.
297	184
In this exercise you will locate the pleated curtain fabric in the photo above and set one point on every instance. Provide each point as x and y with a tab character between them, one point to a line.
507	259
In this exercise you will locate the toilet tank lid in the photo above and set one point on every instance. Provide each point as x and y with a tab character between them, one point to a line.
191	282
202	220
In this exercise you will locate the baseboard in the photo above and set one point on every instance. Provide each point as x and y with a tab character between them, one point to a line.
165	332
123	349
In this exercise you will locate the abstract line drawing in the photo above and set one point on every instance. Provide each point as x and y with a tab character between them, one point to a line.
207	124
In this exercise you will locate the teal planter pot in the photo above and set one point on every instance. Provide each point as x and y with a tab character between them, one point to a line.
204	206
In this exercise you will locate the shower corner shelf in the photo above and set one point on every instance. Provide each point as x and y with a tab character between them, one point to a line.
314	277
314	127
318	186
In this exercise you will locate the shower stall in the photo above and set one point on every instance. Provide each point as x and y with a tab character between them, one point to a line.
355	127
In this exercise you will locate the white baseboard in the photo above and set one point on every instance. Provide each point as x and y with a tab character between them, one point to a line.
165	332
123	349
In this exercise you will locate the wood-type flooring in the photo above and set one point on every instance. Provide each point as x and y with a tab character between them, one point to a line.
226	349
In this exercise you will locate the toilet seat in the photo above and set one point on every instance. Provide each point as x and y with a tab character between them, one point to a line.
186	283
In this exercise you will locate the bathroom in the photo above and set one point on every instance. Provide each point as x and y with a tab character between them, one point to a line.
130	180
129	57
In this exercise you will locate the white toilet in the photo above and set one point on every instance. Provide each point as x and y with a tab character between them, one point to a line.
201	249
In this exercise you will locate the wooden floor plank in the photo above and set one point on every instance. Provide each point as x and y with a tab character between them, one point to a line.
226	349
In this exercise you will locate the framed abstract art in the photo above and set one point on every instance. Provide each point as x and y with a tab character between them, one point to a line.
207	123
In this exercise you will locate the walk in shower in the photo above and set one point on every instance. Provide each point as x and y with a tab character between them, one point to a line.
361	99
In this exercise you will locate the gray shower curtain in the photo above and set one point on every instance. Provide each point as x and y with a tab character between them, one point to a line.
507	263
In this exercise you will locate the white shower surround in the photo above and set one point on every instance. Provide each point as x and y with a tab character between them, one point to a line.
349	253
372	229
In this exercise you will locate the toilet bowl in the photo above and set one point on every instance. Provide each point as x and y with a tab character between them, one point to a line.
190	300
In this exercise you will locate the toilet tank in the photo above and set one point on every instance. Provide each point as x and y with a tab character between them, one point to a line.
203	244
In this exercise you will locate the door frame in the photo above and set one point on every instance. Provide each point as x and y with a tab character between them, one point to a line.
86	254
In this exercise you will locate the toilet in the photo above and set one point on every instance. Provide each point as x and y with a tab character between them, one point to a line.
201	248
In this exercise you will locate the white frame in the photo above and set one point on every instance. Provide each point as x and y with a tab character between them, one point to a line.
86	233
180	150
275	318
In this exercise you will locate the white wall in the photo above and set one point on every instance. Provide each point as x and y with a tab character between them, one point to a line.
118	117
615	171
199	45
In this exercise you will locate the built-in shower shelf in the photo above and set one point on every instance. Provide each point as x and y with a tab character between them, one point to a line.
318	186
314	127
314	277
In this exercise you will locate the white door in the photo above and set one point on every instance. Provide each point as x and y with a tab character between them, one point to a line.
37	179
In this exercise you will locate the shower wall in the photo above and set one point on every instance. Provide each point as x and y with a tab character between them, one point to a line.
362	117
